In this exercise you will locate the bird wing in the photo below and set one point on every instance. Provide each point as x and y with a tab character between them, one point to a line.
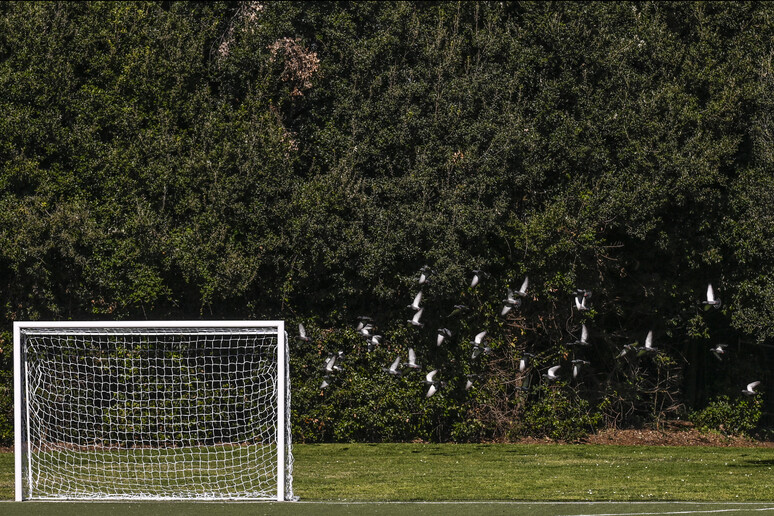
301	330
480	337
329	364
552	371
524	285
417	315
395	365
649	340
475	280
430	375
417	299
506	309
431	391
584	333
412	357
752	386
710	293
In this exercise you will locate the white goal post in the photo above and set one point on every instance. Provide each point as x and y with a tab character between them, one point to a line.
164	410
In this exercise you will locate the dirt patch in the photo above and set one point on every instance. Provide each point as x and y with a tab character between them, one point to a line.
675	433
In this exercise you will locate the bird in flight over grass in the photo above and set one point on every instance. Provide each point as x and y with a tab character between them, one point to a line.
750	390
711	301
414	321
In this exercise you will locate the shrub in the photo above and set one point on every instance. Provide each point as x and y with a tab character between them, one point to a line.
729	417
558	415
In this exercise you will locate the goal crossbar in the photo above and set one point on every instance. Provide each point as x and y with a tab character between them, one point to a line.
166	409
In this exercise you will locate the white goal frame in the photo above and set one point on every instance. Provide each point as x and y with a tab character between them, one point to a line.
22	389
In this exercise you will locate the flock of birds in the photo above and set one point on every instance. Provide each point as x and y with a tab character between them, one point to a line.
333	364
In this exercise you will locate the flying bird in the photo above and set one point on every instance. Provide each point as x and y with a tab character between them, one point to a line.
432	382
648	348
415	305
424	275
443	334
374	341
583	341
750	390
522	292
718	350
524	361
302	333
414	321
412	359
459	310
478	276
551	374
711	301
469	381
477	345
576	365
510	302
394	369
580	303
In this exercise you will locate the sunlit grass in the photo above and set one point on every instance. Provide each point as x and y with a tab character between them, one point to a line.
433	472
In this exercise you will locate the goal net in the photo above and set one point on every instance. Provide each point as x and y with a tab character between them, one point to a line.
186	410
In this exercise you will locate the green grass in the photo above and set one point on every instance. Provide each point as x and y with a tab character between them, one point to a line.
447	472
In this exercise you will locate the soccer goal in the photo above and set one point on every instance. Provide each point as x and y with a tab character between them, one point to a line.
152	410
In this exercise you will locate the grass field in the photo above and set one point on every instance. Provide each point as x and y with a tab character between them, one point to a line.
489	479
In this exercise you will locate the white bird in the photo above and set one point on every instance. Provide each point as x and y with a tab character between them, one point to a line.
524	361
648	344
576	365
330	362
711	301
750	390
432	382
302	333
583	341
469	381
580	303
412	359
718	350
374	341
478	275
324	383
424	275
522	292
415	305
365	330
443	334
477	345
414	321
394	369
551	374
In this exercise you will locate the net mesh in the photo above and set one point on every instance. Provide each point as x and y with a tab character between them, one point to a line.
163	413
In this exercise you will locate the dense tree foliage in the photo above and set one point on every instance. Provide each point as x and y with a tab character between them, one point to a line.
302	161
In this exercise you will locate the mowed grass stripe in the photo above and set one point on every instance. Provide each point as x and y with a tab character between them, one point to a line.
471	472
532	472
